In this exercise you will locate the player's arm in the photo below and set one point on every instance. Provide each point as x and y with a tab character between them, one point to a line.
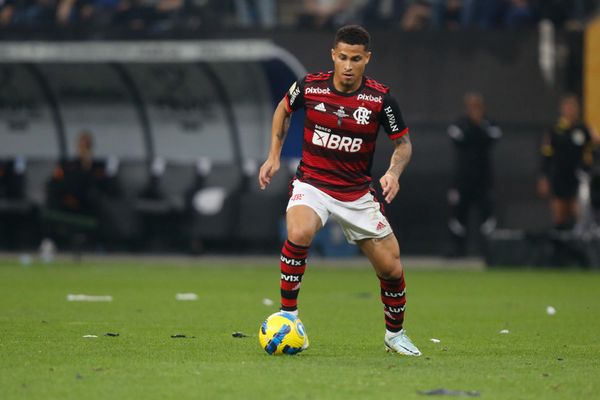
400	158
393	123
279	127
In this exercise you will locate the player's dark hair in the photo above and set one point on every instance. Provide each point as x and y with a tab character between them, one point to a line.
353	34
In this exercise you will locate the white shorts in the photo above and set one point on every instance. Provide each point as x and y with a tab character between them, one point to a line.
360	219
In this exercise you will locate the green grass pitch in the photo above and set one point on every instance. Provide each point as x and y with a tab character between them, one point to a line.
43	354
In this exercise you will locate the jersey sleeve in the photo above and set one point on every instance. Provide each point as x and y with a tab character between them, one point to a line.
294	97
391	118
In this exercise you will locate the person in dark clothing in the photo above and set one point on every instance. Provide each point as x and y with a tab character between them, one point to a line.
473	136
75	194
76	184
566	149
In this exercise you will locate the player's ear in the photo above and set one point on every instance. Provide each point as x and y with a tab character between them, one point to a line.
367	57
333	55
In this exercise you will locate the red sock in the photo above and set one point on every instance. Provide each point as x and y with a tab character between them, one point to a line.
293	264
394	301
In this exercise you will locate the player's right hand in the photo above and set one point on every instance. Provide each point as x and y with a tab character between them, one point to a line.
267	170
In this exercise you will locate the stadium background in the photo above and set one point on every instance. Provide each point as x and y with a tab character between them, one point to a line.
191	108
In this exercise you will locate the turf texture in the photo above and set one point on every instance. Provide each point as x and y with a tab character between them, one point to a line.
43	354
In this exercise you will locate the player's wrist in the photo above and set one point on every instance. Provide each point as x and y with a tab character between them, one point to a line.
274	158
393	175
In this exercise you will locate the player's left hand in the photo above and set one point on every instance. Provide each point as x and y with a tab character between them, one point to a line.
390	186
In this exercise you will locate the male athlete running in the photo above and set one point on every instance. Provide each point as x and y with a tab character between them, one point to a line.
344	110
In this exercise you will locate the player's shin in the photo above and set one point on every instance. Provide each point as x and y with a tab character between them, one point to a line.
293	265
393	296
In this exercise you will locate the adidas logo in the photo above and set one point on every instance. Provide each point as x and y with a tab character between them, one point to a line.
380	226
320	107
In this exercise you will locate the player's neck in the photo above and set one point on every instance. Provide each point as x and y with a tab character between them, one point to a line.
337	85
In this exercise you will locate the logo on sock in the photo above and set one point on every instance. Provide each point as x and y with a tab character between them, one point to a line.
290	278
396	310
291	261
394	294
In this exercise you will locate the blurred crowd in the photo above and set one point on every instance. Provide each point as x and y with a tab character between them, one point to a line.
409	15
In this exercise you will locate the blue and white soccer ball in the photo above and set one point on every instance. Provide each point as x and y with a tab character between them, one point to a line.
282	333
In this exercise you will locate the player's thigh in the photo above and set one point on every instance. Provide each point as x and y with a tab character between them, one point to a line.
302	224
384	255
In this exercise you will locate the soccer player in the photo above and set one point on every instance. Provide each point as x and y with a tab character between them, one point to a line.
344	110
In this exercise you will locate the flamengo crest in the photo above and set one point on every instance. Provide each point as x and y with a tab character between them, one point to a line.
361	115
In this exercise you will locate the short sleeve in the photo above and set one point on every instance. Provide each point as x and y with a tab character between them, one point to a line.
294	98
391	118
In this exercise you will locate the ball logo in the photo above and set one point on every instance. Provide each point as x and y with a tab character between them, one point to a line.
300	328
316	90
368	97
336	142
361	115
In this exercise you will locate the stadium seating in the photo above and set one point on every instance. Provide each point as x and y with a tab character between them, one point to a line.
214	217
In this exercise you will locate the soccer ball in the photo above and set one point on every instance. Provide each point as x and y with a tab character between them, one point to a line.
282	333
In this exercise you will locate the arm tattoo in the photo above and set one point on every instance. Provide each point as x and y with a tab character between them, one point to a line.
284	129
401	156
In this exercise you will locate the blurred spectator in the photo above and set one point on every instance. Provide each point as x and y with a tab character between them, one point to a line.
566	150
519	14
473	136
76	194
94	12
382	13
326	13
417	16
447	14
31	14
570	14
256	13
77	184
153	15
483	14
411	15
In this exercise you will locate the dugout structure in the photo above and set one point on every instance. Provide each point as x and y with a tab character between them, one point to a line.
170	109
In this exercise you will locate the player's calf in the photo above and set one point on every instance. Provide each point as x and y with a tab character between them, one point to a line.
293	265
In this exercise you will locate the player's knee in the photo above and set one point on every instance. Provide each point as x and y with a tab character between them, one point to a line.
300	235
392	268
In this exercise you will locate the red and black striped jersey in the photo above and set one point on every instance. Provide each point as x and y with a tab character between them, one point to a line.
340	131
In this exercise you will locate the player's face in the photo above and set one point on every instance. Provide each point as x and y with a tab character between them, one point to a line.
349	62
